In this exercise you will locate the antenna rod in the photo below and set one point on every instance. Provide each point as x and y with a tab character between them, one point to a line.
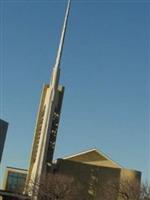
61	44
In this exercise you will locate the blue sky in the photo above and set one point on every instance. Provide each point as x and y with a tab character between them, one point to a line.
104	69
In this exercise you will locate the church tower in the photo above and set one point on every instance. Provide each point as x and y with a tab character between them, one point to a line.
48	118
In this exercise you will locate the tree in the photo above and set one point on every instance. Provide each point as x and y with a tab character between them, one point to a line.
145	191
55	187
62	187
127	190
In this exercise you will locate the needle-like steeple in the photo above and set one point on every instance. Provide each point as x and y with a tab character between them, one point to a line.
61	44
48	119
56	70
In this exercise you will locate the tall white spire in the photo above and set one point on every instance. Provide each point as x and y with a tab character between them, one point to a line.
47	119
56	70
61	44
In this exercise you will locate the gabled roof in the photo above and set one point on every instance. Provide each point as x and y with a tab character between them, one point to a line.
93	157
